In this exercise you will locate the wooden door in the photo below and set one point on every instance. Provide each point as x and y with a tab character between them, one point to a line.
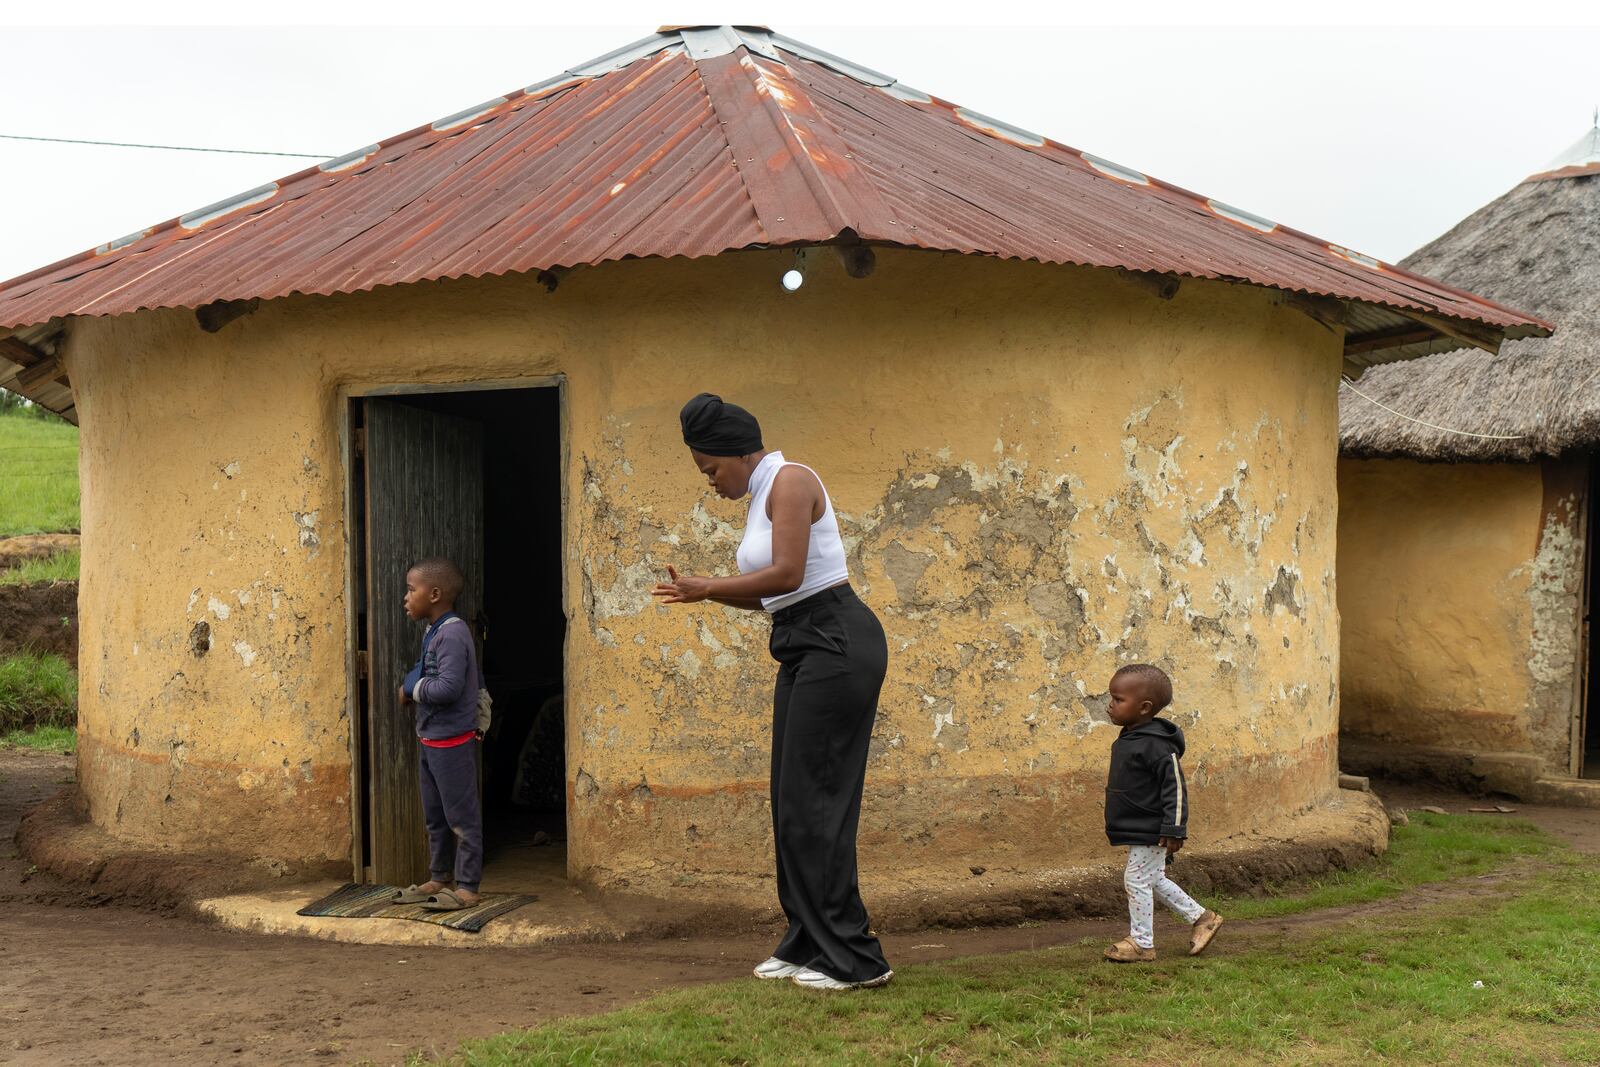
424	497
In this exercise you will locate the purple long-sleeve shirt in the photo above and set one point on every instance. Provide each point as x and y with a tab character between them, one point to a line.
446	692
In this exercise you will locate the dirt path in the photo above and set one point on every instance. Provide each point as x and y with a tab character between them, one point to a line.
87	982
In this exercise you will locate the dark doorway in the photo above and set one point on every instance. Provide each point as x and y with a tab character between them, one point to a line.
505	447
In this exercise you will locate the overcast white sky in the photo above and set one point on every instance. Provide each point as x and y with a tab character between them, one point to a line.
1378	138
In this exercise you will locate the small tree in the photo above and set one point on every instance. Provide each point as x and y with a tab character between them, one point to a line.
17	404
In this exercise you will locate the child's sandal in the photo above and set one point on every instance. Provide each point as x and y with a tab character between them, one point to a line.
1125	951
1205	928
411	894
449	900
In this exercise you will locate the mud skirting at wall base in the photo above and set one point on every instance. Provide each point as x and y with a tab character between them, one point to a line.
1347	832
1515	774
1350	830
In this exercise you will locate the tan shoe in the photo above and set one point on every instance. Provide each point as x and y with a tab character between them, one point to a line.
1205	928
1125	951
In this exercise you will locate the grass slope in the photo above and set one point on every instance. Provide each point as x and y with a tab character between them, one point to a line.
62	567
1395	987
63	739
37	690
38	475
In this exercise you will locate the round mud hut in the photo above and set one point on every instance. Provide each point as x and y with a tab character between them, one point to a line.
1467	523
1071	417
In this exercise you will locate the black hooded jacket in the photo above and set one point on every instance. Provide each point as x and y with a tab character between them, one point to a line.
1146	798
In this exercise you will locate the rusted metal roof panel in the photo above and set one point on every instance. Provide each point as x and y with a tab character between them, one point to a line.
953	184
695	142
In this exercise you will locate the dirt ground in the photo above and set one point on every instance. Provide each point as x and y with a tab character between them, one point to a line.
43	616
87	981
40	617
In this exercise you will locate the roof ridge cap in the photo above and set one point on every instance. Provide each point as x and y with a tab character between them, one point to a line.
784	120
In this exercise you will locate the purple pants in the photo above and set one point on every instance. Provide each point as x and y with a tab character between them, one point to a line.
449	778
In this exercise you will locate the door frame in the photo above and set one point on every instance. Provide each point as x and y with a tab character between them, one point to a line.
1584	687
346	396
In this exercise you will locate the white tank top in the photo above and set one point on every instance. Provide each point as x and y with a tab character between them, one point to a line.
825	563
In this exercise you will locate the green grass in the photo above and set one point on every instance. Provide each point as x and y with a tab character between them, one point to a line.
1432	848
61	567
39	486
37	690
1396	988
63	739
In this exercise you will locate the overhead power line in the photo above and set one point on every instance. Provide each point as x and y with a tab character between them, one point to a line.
1431	425
167	147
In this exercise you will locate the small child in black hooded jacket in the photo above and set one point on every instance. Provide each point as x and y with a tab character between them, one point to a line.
1147	809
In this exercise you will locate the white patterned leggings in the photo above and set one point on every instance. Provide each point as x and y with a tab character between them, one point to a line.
1146	876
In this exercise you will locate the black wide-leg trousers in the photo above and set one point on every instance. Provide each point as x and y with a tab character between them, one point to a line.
832	657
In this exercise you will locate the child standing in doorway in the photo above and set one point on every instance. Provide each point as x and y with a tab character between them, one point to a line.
443	687
1147	809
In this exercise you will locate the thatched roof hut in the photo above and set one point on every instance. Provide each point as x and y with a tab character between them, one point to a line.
1537	247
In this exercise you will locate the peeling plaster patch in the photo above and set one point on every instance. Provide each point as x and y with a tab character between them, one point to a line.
708	638
707	527
689	665
307	523
218	608
194	596
1058	602
628	594
200	638
1281	593
231	470
246	653
1554	603
905	568
946	731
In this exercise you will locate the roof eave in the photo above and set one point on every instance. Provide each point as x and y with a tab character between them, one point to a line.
1388	335
30	365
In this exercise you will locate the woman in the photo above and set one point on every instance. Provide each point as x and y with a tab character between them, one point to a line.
831	657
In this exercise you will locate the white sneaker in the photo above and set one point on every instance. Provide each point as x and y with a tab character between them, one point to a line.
809	979
776	968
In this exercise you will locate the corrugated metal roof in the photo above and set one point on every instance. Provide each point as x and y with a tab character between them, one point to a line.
698	141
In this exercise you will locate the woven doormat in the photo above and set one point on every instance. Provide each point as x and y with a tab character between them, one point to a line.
374	902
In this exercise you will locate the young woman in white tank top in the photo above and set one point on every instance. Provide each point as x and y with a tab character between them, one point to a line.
832	657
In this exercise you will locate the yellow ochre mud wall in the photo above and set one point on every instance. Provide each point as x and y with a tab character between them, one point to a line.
1459	591
1041	473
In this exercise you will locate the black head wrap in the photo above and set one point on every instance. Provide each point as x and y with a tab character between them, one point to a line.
714	428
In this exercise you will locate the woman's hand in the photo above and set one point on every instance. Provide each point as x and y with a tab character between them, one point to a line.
682	588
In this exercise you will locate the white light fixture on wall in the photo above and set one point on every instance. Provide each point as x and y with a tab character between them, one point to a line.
795	276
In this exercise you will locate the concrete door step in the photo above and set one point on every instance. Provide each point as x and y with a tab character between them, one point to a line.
1571	792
